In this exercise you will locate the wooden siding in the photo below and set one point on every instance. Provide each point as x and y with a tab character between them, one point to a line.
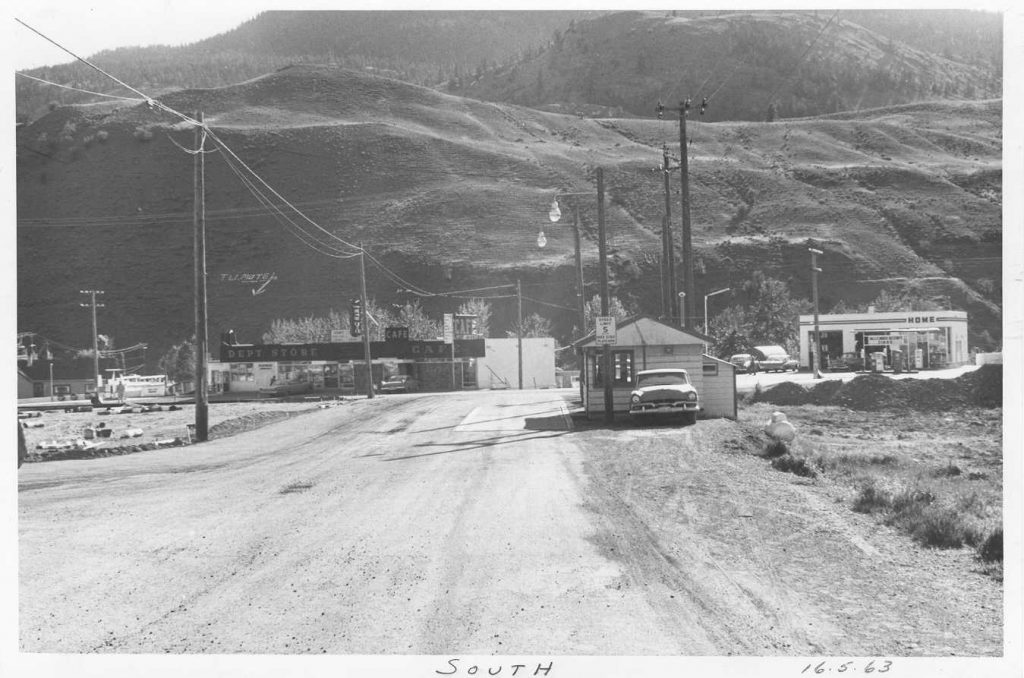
718	396
686	357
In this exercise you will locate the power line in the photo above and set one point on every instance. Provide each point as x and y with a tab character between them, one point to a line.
803	56
76	89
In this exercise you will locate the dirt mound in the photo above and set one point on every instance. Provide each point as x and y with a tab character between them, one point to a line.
823	392
786	393
980	388
985	385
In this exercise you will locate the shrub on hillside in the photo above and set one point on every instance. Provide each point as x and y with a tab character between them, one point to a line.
143	134
796	465
991	550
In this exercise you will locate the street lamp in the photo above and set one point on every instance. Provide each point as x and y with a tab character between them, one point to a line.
706	297
554	215
816	344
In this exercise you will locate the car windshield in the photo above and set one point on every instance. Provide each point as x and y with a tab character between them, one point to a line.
663	379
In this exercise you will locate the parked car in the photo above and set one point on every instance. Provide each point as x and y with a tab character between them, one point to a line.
664	392
848	362
21	445
744	362
399	383
773	359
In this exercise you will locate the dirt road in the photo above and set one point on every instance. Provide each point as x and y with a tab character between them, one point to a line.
477	523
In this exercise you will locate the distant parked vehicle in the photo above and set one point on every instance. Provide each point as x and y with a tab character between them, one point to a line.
848	362
399	383
744	362
21	445
773	359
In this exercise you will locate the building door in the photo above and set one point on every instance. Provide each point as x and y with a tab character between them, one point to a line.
831	347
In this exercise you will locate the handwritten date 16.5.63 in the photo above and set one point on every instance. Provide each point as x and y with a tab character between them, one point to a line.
873	666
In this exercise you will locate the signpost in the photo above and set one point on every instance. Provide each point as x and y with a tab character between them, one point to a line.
449	338
605	330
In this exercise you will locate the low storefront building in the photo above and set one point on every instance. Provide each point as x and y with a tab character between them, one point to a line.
920	339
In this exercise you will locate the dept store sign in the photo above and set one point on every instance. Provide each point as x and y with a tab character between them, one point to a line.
351	350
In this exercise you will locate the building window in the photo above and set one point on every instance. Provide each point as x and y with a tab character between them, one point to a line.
710	369
242	372
622	368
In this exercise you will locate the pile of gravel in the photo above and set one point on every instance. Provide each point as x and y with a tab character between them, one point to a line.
980	388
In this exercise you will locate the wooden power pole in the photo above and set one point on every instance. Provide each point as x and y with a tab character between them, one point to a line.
687	247
199	266
609	401
364	327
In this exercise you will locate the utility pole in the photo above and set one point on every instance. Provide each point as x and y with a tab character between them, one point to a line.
365	328
519	329
199	268
816	342
684	153
668	269
609	402
95	336
580	303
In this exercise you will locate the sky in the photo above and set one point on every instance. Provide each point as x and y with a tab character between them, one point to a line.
90	27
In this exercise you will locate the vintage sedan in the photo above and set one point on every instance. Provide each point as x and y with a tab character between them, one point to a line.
399	383
664	392
744	362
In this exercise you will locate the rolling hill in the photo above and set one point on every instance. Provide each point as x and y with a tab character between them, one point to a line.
449	193
750	66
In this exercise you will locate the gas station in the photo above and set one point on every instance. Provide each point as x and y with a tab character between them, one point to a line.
898	341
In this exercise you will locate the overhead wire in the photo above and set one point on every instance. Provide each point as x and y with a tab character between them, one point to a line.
78	89
803	56
305	237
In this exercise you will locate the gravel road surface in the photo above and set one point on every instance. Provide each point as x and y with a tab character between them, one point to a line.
477	523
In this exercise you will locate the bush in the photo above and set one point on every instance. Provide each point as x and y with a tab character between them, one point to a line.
102	136
872	499
143	134
796	465
991	550
950	469
776	448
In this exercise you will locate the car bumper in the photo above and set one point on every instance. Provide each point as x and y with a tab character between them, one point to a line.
642	409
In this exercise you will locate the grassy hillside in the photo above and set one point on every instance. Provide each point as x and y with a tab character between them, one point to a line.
450	193
751	66
422	47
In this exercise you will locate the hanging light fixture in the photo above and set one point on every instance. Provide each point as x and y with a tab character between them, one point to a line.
554	214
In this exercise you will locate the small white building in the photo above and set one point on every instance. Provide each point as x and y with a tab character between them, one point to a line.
926	339
499	368
643	343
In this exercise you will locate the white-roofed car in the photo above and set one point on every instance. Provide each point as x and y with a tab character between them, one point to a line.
774	358
664	392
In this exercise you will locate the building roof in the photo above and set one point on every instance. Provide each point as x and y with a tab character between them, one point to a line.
39	370
642	330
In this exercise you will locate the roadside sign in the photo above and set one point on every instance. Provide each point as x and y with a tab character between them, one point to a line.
449	328
605	329
396	334
338	336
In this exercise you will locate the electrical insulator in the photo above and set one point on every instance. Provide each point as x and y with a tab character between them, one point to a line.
661	111
703	105
686	104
